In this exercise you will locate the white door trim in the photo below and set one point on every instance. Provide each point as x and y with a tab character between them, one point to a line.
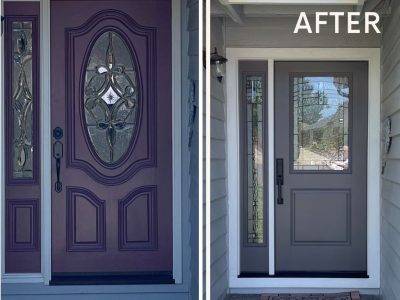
46	184
45	137
372	55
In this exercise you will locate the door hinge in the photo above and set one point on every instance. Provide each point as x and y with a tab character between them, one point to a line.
2	20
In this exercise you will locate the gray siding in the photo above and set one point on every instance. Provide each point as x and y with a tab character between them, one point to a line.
190	88
390	236
278	32
219	206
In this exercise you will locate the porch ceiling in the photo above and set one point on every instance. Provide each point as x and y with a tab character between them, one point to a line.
301	2
238	10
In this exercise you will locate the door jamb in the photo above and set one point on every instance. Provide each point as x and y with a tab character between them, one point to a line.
45	132
372	55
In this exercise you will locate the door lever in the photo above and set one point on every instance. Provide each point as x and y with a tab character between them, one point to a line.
58	155
279	178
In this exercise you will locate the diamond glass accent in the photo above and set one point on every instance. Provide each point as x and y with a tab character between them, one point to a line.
22	100
111	97
255	199
321	123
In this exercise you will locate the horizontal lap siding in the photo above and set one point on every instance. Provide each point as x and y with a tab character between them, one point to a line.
278	33
190	58
390	254
219	205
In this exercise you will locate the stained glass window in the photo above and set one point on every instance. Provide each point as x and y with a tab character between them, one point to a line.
254	121
111	96
22	100
321	123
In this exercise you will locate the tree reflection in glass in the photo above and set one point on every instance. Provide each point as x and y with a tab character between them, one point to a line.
321	123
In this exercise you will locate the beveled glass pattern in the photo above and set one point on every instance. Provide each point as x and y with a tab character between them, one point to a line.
321	123
111	97
22	100
254	121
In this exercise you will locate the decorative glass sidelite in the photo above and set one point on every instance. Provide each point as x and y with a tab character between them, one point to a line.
254	97
321	123
22	100
111	97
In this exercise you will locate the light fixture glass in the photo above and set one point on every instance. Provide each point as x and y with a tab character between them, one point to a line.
218	62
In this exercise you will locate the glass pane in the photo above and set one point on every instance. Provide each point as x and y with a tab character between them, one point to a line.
321	123
254	121
111	97
22	100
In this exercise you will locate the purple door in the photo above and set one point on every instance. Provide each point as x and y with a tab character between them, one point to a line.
112	140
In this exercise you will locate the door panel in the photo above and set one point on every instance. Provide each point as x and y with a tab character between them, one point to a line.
321	135
111	95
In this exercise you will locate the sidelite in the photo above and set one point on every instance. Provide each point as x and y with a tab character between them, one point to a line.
111	97
253	120
254	95
22	99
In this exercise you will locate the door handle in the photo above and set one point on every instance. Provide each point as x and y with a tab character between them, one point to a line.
58	155
279	178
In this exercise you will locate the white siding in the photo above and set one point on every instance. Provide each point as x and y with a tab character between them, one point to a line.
219	205
390	255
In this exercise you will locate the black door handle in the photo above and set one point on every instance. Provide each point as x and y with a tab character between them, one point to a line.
279	178
58	155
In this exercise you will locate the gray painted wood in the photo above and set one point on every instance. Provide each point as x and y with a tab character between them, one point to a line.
219	205
190	56
390	229
325	247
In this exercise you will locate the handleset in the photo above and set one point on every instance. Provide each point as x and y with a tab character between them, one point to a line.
58	155
279	178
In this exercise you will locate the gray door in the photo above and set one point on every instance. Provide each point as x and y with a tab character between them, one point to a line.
321	111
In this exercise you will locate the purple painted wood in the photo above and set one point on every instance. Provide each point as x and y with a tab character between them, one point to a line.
22	230
112	217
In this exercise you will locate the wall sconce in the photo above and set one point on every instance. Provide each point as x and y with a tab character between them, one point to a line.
217	62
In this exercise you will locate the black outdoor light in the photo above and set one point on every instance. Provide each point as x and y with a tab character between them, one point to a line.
218	62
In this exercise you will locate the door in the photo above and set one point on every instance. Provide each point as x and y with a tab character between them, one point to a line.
321	134
112	141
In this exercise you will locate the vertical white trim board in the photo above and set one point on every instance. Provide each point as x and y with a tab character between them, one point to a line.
45	138
271	171
45	132
176	140
372	55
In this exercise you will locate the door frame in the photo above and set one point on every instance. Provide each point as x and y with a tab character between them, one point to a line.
46	146
372	55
